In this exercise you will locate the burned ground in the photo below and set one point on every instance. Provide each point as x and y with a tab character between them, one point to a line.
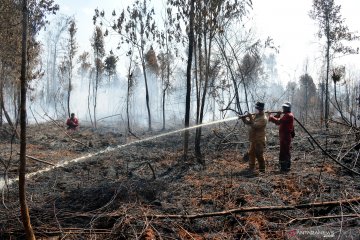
147	190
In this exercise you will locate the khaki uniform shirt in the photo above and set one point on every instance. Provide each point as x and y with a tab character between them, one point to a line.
257	125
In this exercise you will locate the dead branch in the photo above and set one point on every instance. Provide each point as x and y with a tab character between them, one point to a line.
150	166
65	231
152	169
349	150
8	119
263	208
311	143
108	117
38	160
323	217
324	151
236	210
133	134
344	124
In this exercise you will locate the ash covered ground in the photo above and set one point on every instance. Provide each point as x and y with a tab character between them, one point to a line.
147	190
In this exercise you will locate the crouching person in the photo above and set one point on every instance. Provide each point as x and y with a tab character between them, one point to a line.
72	122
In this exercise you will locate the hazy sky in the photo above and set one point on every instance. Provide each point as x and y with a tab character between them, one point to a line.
286	21
289	24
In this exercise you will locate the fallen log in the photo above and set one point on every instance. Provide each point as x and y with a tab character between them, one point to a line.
227	212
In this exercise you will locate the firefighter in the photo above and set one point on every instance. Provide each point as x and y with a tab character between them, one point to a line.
72	122
257	136
286	133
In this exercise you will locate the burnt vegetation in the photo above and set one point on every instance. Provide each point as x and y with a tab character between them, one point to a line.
133	169
147	187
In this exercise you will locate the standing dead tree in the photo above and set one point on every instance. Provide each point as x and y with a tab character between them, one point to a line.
97	43
332	27
136	28
22	168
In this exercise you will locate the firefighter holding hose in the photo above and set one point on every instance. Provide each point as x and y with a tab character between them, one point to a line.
286	133
257	136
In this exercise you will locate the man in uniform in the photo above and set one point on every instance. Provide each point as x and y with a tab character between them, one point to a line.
257	136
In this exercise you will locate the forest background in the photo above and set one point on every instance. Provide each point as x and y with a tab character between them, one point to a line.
274	55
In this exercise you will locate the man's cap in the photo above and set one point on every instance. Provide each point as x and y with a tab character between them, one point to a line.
259	105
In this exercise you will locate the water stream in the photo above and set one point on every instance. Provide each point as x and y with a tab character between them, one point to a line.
110	149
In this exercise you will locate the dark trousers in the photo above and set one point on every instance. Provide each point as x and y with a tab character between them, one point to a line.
285	156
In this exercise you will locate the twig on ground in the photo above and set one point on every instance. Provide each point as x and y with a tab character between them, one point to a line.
57	220
323	217
38	160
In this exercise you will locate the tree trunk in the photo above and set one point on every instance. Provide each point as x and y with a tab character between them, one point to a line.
327	86
198	80
306	101
340	108
188	79
146	89
203	98
2	106
128	101
163	108
127	108
167	82
22	169
95	95
1	94
245	92
321	104
69	92
88	103
328	45
70	79
51	88
8	119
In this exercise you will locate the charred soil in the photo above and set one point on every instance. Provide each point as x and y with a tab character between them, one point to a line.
121	187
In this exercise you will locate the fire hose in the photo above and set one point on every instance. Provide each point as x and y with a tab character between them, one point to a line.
312	138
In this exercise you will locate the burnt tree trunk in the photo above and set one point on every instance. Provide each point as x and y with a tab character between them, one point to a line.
188	79
22	168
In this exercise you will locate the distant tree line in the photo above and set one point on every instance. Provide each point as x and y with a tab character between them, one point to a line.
226	69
